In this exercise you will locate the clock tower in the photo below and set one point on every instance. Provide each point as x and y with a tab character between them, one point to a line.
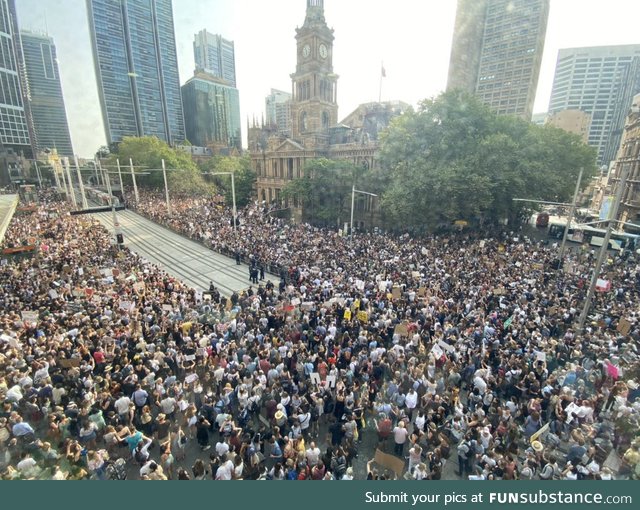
314	106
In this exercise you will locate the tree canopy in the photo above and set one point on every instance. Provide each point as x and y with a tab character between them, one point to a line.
183	175
454	159
325	190
245	177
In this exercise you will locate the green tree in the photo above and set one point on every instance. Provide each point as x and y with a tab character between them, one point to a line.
183	175
244	176
453	159
325	190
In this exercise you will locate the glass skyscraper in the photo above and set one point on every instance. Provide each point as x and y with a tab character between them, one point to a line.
14	131
46	103
137	68
212	112
215	55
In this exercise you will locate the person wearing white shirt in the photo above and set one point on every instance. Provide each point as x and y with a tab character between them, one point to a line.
411	401
225	471
313	454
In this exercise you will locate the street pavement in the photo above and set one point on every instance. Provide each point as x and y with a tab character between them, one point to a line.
182	258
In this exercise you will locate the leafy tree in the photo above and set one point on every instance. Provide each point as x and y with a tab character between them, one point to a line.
325	190
183	175
454	159
244	176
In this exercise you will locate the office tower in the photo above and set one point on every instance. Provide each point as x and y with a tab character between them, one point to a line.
14	130
212	112
278	109
601	81
134	53
497	51
46	103
215	55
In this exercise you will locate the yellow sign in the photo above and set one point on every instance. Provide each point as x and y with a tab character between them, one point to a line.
347	314
362	316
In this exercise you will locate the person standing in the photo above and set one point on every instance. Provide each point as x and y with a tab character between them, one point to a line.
400	434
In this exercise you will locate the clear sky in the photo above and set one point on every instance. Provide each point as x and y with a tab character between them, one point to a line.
411	37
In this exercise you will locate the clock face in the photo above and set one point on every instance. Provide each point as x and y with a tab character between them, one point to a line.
323	51
306	51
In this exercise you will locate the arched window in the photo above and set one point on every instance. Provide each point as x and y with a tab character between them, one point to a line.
325	120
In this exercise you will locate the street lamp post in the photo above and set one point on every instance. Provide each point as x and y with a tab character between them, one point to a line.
569	220
35	162
166	188
233	195
82	194
133	178
71	188
116	226
353	202
613	215
120	179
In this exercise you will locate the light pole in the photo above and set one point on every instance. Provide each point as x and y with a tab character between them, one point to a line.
166	188
133	178
35	162
120	179
71	188
116	226
82	194
353	202
569	220
613	215
233	194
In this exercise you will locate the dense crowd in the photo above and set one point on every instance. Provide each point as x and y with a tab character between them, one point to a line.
458	349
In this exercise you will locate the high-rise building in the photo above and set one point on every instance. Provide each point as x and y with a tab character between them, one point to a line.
212	112
46	103
134	52
497	51
14	130
601	81
215	55
278	109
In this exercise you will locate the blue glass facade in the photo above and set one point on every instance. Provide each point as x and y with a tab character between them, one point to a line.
212	112
46	104
14	131
137	68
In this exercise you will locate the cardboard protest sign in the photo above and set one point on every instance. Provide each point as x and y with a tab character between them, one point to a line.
29	318
402	329
396	293
624	326
437	351
362	316
388	461
125	306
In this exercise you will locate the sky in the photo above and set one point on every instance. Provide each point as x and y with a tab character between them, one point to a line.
411	37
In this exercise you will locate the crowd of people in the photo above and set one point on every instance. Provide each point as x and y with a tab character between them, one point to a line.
457	351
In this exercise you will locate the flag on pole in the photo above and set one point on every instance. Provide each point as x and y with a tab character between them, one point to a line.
383	72
508	322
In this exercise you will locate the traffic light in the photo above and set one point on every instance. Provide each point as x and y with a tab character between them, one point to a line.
120	238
